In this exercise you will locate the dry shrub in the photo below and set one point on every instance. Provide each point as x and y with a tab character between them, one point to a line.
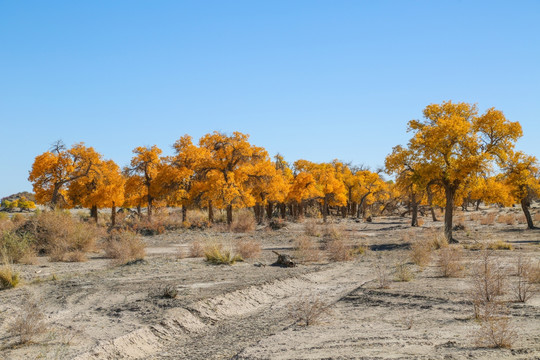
536	217
70	256
459	222
149	227
421	251
420	221
18	247
488	219
18	219
248	249
403	272
333	231
488	282
311	228
450	261
500	245
533	273
522	288
124	246
216	255
244	221
338	250
382	274
495	330
306	250
196	249
308	310
9	278
520	219
277	223
57	233
28	323
438	241
507	219
196	219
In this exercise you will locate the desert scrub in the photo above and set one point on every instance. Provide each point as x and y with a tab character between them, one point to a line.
9	278
496	330
450	261
216	255
308	310
124	246
338	250
244	221
311	228
57	233
29	322
403	272
19	247
306	250
421	250
248	249
500	245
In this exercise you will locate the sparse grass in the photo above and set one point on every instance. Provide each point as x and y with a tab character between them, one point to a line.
499	245
438	241
508	219
536	217
124	246
248	249
70	256
196	249
308	310
243	221
382	274
402	272
421	251
533	274
450	261
29	322
496	330
18	247
307	250
488	219
332	231
311	228
338	250
216	255
9	278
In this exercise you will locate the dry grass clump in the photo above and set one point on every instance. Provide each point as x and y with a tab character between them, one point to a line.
216	255
196	219
70	256
508	219
58	233
450	261
149	227
333	231
124	246
382	274
536	217
496	330
488	281
338	250
311	228
403	272
421	251
500	245
308	310
438	241
19	247
307	250
243	222
248	248
533	273
488	219
9	278
522	287
196	249
28	323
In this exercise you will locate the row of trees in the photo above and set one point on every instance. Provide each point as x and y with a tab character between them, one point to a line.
454	156
221	172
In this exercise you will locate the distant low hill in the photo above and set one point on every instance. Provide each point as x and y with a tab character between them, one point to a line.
27	195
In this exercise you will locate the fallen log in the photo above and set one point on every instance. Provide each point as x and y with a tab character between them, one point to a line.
283	260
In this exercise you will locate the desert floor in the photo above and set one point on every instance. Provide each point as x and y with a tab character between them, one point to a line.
250	310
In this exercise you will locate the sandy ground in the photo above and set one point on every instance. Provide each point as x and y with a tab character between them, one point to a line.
247	311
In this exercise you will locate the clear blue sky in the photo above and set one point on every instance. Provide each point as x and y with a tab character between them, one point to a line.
310	79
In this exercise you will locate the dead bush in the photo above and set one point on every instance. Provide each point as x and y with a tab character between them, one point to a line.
332	231
243	222
196	219
488	282
123	246
29	322
248	249
338	250
450	261
58	233
196	249
438	241
70	256
403	272
311	228
508	219
496	330
499	245
382	274
308	310
306	250
421	251
488	219
522	288
533	274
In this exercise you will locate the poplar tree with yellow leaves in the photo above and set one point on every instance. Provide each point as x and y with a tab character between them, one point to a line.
54	170
457	143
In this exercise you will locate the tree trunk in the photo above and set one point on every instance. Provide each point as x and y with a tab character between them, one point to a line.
448	213
478	204
269	210
184	213
283	209
344	211
525	207
210	213
414	204
324	209
139	211
229	214
113	214
430	203
94	213
150	199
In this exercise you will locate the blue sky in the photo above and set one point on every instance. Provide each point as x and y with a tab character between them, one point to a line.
317	80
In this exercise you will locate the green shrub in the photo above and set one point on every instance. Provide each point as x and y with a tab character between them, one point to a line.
215	254
17	247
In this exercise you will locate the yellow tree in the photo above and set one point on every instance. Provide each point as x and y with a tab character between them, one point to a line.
54	170
135	192
146	163
302	189
103	188
368	187
224	173
330	186
457	143
522	176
